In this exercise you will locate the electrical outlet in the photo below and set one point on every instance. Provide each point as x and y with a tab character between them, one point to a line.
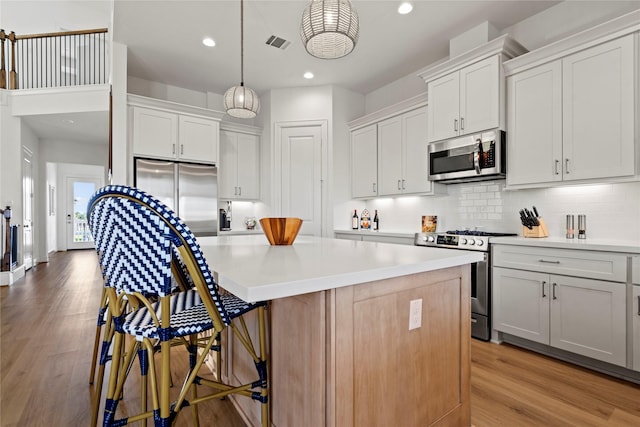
415	314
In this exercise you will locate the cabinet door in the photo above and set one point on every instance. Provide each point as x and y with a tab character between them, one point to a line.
521	303
228	168
480	96
534	125
364	162
415	155
248	169
390	141
443	97
598	111
588	317
198	139
155	133
635	312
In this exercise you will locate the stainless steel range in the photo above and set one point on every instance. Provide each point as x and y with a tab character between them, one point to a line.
480	271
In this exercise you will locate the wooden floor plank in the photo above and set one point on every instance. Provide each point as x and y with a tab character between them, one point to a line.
47	324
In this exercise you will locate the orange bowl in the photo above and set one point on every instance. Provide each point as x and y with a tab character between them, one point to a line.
281	231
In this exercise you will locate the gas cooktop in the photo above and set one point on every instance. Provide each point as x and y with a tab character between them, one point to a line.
478	233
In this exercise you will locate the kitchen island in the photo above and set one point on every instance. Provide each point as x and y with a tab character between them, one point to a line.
341	349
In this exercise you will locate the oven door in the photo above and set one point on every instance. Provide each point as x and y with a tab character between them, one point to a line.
480	300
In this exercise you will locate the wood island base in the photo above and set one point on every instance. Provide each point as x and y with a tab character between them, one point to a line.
345	357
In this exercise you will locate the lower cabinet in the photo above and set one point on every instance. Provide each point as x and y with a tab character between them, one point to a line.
635	311
375	237
579	315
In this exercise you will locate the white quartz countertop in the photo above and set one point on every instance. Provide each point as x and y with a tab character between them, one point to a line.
588	244
390	233
253	270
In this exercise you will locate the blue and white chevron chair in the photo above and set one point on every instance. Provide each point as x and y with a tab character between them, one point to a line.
135	235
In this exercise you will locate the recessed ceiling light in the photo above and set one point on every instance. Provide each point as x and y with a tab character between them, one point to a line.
208	42
405	8
308	75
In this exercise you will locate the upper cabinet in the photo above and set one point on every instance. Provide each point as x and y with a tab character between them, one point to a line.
166	130
389	154
570	109
465	101
239	168
364	162
466	94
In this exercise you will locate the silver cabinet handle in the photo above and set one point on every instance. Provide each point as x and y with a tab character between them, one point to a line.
549	262
461	123
181	148
374	187
554	290
543	285
455	125
399	185
638	305
403	184
566	165
476	320
173	148
557	164
239	191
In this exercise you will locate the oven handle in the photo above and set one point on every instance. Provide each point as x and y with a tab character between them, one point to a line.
476	156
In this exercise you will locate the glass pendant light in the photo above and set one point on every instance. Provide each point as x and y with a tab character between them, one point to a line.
241	101
329	28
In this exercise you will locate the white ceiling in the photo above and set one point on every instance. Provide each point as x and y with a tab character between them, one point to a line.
164	40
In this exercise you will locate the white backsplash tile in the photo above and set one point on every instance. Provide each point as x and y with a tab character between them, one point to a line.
612	210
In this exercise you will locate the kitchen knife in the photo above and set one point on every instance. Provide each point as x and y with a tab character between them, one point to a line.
525	221
535	211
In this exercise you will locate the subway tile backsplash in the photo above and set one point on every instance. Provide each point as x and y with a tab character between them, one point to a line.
612	210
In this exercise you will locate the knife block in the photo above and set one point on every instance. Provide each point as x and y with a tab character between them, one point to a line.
537	230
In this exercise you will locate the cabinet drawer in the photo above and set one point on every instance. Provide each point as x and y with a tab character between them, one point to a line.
635	270
589	264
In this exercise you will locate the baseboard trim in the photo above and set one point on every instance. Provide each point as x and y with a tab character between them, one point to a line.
8	278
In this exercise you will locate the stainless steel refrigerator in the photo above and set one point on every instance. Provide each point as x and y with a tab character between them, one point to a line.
191	190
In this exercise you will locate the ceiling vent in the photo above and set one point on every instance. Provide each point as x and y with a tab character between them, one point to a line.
278	42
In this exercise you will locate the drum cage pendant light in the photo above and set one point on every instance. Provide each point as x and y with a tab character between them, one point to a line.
241	101
329	28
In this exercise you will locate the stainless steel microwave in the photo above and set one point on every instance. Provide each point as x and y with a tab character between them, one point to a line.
469	158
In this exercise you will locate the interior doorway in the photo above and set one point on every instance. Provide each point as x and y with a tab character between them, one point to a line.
27	208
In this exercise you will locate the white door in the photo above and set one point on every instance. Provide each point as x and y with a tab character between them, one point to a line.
390	178
364	162
300	169
444	107
79	191
480	96
27	208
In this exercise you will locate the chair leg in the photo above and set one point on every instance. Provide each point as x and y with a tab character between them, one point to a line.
143	358
96	342
263	369
193	360
111	401
104	358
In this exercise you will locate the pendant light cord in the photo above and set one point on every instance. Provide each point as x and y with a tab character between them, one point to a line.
241	42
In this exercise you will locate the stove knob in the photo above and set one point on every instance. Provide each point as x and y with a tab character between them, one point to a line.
471	241
431	239
463	241
479	242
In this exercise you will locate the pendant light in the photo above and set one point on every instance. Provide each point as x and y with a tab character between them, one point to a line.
329	28
241	101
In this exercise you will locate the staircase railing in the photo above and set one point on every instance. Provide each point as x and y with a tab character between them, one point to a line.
70	58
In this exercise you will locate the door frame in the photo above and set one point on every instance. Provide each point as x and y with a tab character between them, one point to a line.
77	172
27	194
276	162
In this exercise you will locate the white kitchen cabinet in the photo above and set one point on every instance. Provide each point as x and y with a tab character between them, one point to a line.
239	169
402	154
573	118
570	312
465	101
168	135
534	125
521	303
364	162
635	311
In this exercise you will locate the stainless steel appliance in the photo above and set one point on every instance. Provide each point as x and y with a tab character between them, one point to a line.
191	190
468	158
480	271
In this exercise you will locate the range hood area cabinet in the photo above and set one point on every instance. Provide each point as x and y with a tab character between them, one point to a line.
389	157
239	168
570	111
466	94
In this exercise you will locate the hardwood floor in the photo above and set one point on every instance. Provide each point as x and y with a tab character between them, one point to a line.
47	322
